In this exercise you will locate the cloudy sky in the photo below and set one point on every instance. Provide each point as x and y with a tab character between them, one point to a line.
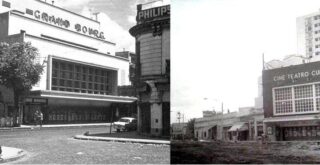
118	16
217	48
217	45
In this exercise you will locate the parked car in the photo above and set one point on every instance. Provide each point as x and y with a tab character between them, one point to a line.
121	124
132	126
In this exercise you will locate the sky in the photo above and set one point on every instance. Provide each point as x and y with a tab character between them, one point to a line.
217	48
216	45
117	17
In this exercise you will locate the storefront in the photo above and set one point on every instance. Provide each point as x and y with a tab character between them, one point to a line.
291	99
239	131
230	126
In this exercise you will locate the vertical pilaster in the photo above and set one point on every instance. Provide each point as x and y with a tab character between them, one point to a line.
255	130
139	118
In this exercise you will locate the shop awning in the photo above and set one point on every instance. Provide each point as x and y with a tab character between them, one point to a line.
239	127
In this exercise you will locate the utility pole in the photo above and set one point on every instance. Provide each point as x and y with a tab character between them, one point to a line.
222	107
178	116
182	118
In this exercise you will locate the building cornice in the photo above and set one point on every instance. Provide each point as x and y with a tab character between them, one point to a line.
75	46
154	26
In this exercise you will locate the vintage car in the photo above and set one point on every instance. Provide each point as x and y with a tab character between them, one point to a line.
125	124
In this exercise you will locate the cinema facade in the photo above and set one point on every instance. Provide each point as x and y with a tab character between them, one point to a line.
291	102
82	73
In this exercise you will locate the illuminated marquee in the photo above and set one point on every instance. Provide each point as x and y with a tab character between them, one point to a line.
152	13
45	17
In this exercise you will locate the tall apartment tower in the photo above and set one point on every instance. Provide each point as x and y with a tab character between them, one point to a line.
308	35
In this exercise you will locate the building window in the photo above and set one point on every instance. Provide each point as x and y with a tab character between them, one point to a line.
297	99
310	49
283	100
6	4
73	77
303	98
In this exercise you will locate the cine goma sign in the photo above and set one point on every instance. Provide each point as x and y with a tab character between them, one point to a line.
64	23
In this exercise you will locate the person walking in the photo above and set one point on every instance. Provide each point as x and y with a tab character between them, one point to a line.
39	117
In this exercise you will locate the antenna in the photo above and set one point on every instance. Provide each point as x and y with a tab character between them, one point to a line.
178	116
52	2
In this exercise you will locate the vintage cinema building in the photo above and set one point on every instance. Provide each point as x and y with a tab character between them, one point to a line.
291	102
152	34
82	73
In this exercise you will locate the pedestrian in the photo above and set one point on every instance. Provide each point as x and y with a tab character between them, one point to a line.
40	118
35	117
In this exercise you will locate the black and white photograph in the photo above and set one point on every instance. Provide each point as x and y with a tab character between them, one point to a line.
159	82
85	82
245	82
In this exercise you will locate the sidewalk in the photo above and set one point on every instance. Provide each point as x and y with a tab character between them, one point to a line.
10	154
126	140
48	126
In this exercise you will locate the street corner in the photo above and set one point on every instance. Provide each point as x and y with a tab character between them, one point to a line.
11	154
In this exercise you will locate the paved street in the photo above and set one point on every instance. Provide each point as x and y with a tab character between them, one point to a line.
56	146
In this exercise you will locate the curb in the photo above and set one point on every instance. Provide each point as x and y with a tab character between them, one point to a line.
50	127
126	140
20	155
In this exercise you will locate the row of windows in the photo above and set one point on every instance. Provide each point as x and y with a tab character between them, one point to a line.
305	98
79	76
316	17
64	116
72	77
316	32
317	24
302	131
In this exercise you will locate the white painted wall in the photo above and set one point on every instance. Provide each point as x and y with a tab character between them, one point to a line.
36	28
33	27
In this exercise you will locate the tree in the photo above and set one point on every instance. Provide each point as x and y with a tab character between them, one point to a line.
19	70
190	128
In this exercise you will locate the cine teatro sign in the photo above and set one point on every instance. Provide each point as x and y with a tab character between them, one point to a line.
297	75
64	23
